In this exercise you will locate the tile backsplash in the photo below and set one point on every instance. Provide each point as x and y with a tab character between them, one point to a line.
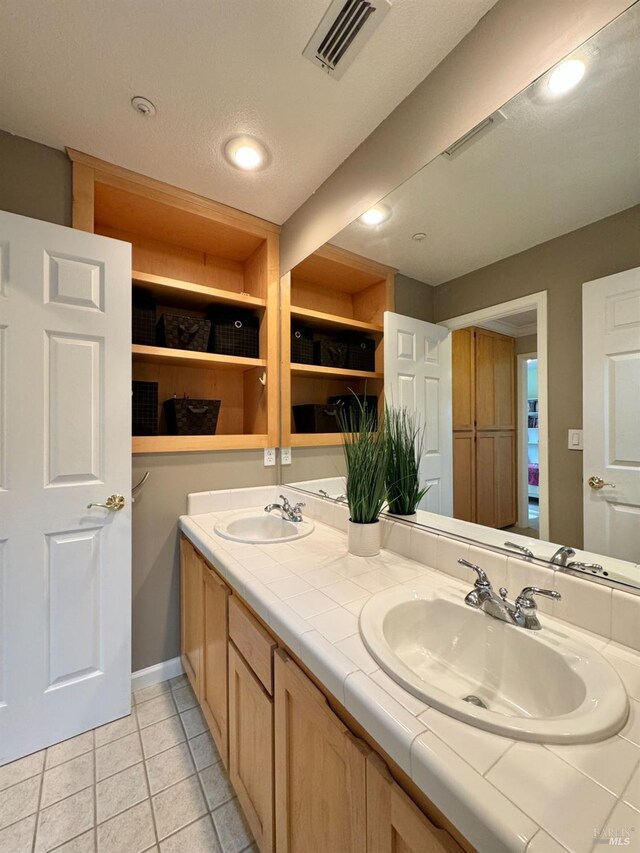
612	614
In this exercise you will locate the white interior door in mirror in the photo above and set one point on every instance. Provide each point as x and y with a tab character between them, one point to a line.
65	426
611	414
417	374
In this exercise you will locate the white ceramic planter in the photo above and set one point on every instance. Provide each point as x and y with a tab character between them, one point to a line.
411	517
364	539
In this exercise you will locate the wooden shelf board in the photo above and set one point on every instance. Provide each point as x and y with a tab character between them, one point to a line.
319	319
315	439
187	293
195	443
316	370
186	358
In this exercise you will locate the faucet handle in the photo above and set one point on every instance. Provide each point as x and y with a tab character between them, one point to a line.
482	580
503	591
286	506
528	553
593	567
526	598
299	506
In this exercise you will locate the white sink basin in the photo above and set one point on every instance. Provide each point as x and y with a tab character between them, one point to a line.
537	686
262	529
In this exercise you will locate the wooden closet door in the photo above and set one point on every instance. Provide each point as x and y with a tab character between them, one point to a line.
494	380
463	379
215	664
191	614
495	479
320	770
464	476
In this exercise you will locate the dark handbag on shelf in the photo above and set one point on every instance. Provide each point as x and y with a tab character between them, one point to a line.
191	417
234	332
143	319
361	354
369	402
301	345
330	353
144	408
187	333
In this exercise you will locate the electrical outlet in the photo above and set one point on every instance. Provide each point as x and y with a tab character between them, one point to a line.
285	456
269	456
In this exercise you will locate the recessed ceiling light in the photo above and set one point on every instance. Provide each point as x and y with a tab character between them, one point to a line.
375	215
566	76
143	106
246	153
420	235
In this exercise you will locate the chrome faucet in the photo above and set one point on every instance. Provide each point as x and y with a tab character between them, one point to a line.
528	553
523	612
288	512
338	499
588	567
561	556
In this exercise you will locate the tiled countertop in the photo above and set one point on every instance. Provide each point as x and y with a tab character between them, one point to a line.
501	794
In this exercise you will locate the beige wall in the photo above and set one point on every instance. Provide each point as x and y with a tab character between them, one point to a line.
560	267
34	180
310	463
414	298
527	343
512	45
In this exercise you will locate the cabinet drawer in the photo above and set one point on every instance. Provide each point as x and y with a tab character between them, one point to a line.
253	642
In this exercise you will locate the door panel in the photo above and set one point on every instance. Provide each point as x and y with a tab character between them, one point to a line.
214	682
464	476
417	371
463	373
65	443
611	413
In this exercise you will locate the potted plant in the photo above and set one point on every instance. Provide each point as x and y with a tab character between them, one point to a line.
404	439
365	451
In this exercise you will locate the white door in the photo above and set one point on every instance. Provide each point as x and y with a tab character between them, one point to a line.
417	374
65	424
611	414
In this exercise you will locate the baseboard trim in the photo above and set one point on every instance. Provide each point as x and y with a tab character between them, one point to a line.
156	673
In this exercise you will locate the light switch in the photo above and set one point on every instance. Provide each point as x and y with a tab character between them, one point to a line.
575	439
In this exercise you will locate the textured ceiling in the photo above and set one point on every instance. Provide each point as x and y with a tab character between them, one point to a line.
213	68
550	168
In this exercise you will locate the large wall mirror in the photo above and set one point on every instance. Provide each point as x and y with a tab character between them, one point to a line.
496	294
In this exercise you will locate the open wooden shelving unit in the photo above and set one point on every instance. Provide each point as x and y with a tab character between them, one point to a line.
332	290
189	253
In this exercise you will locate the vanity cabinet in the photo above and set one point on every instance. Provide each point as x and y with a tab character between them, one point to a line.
394	823
214	696
321	801
191	614
305	782
484	427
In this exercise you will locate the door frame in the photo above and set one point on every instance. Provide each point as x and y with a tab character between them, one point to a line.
533	302
522	359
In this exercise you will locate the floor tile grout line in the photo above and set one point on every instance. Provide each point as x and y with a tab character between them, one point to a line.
148	783
37	812
95	795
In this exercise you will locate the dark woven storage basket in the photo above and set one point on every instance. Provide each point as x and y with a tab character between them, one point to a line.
191	417
234	332
178	332
144	408
301	345
369	401
361	354
311	417
143	319
330	353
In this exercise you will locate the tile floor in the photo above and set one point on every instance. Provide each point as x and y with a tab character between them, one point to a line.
152	781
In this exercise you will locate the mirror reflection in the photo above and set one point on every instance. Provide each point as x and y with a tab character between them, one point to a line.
496	296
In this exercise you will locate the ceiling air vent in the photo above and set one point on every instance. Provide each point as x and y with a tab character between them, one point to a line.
342	32
474	134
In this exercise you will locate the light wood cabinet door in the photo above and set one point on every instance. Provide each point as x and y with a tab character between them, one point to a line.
251	748
494	380
191	614
463	379
495	479
394	823
320	770
464	476
214	697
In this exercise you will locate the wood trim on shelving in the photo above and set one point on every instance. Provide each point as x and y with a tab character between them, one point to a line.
315	370
189	358
321	320
118	176
175	290
350	259
315	439
82	192
196	443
